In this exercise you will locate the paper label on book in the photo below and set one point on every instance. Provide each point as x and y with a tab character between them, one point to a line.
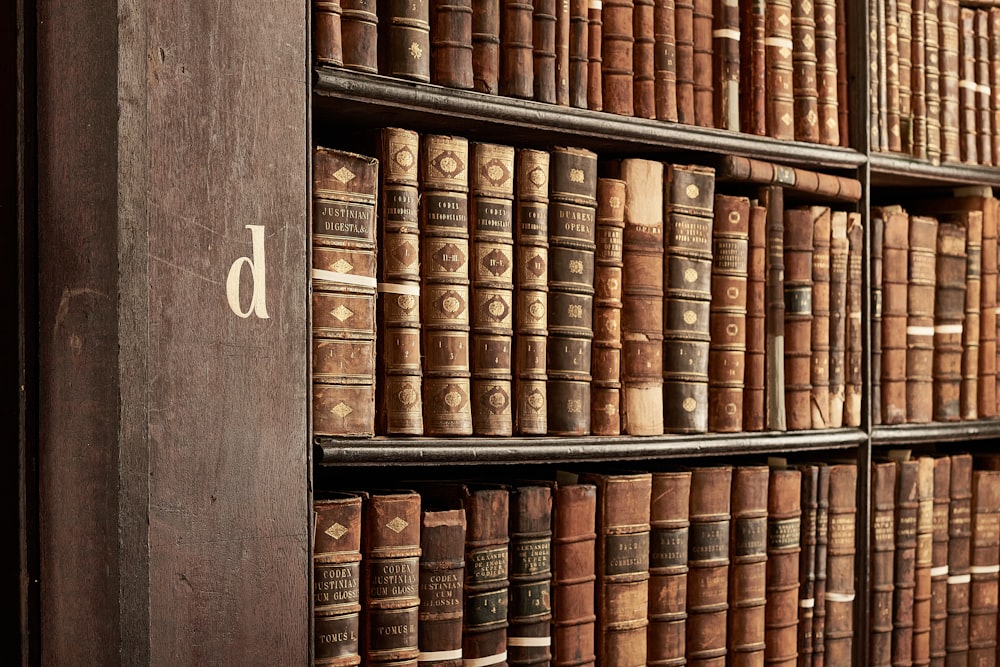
668	547
446	211
625	554
783	533
486	609
392	629
531	557
493	216
400	204
393	578
841	532
335	584
709	540
346	221
572	224
335	636
750	536
488	566
532	220
441	589
530	600
798	300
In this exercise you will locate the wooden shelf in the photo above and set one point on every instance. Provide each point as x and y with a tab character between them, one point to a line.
899	170
910	434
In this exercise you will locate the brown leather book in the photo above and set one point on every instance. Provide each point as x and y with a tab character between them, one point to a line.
827	72
984	114
949	88
804	89
336	579
399	390
562	52
451	43
486	46
442	573
883	550
920	319
708	565
617	43
780	102
491	181
605	390
405	39
578	53
753	70
772	198
572	229
517	68
838	634
854	385
819	373
704	83
642	298
807	561
747	566
543	38
904	561
359	35
684	52
967	115
444	288
344	195
839	256
726	65
328	47
904	42
595	57
529	611
822	548
924	562
668	567
918	80
893	129
728	317
664	60
983	566
949	316
753	377
994	84
573	575
643	86
623	505
798	249
959	554
986	385
750	170
875	319
877	78
932	78
939	561
784	513
391	581
687	280
531	286
895	289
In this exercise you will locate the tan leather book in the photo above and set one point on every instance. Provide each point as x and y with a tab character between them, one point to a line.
668	567
574	574
904	42
994	84
726	64
617	42
486	46
959	554
893	128
328	48
344	195
983	565
987	386
924	562
918	80
798	251
932	78
772	198
517	70
780	101
704	84
753	70
920	319
529	612
984	114
595	57
949	317
664	60
939	561
562	52
827	72
840	591
784	513
708	565
883	551
839	256
405	39
451	43
578	53
822	547
543	59
895	289
643	86
753	378
877	80
336	579
829	186
904	561
804	88
442	576
807	560
684	51
359	35
949	88
854	386
747	566
819	372
967	115
875	320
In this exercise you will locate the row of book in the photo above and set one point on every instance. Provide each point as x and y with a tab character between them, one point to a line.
774	68
611	569
935	80
521	292
934	324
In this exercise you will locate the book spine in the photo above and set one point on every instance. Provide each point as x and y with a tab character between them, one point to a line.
877	78
486	46
343	293
774	351
918	80
904	562
578	53
784	513
854	386
442	572
753	70
328	47
543	37
444	268
529	612
684	50
939	561
643	59
405	39
967	86
877	236
798	250
984	113
668	567
807	561
983	566
924	562
893	128
895	289
840	591
728	317
827	72
959	554
986	384
780	102
687	280
451	43
562	52
804	87
994	82
574	574
839	255
738	168
819	372
822	549
883	549
359	35
486	590
949	314
595	57
516	49
753	378
920	319
337	580
843	103
949	87
904	43
748	566
664	60
932	77
617	42
703	78
726	53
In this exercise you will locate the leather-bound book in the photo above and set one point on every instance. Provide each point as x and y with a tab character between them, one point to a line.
820	583
572	229
984	114
994	66
704	84
807	561
939	561
642	298
726	65
780	101
562	52
959	554
754	371
543	36
442	576
753	69
531	286
327	45
932	79
854	386
987	386
949	316
774	304
877	84
883	552
664	60
517	69
684	52
784	513
838	634
451	43
826	186
643	87
444	288
969	399
819	373
391	582
578	53
491	270
337	580
529	611
728	323
890	45
400	387
877	237
405	39
983	566
623	505
967	116
918	80
895	289
904	561
920	319
573	575
839	256
747	566
827	72
359	35
343	292
595	57
689	200
605	390
798	249
708	565
924	562
949	89
806	97
617	41
904	43
668	567
486	46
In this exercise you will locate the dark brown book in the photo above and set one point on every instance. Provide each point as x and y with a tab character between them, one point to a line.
949	316
451	43
726	65
895	289
804	90
875	319
877	76
543	54
983	566
327	45
605	390
644	40
486	46
949	88
572	229
617	42
531	286
838	634
753	69
772	198
822	549
668	567
529	611
984	113
623	505
904	561
753	378
336	579
390	546
967	86
642	298
595	56
442	576
920	319
883	551
827	72
404	39
708	565
959	554
562	52
987	386
400	388
517	68
932	78
359	35
747	566
918	80
994	82
939	561
924	562
573	575
750	170
687	280
893	129
684	52
703	78
578	53
444	289
664	60
969	399
784	513
780	102
904	43
344	195
728	324
807	561
798	249
854	385
839	256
